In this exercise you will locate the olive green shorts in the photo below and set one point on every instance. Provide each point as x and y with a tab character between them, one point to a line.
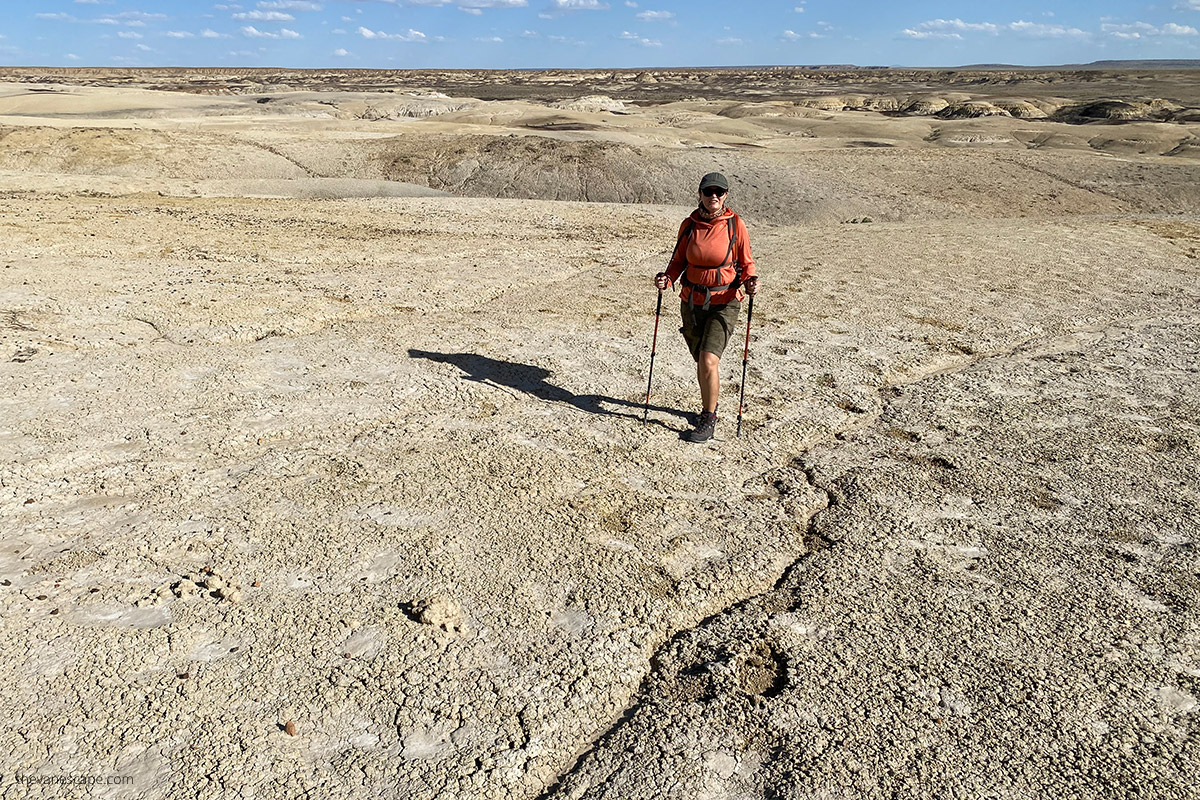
708	331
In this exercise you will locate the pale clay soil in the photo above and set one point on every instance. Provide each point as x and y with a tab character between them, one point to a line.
323	471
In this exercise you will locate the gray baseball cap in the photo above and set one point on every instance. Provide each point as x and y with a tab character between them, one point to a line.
714	179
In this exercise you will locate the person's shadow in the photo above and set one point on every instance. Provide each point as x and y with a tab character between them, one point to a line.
532	381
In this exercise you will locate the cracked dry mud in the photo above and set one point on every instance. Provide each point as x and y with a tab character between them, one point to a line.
350	497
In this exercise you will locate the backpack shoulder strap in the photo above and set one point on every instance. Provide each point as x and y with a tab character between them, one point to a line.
689	227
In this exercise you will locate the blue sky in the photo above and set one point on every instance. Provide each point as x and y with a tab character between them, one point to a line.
588	33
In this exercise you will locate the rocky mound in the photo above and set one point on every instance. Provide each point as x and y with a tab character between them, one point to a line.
591	104
1119	111
971	109
535	167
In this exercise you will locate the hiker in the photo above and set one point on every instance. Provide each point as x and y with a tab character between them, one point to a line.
713	263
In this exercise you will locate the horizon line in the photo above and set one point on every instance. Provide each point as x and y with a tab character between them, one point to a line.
1167	63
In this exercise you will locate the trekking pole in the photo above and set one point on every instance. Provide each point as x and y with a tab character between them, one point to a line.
653	350
745	360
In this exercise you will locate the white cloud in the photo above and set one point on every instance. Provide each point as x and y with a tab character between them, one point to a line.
181	34
489	39
1039	30
949	26
799	9
139	15
129	34
208	33
472	11
640	40
530	34
476	5
72	56
265	16
730	40
1138	30
227	7
1188	5
341	52
129	18
931	34
290	5
656	16
630	4
145	49
958	25
254	33
580	5
411	36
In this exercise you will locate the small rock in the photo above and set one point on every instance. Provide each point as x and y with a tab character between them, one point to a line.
440	611
185	588
289	728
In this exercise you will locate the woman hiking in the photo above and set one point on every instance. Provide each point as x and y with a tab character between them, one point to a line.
713	263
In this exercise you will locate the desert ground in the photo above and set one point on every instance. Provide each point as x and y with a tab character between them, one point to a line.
323	470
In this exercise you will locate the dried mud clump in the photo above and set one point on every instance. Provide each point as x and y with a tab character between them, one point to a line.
439	612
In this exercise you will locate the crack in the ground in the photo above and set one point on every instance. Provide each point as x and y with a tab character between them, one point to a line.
155	327
814	541
276	152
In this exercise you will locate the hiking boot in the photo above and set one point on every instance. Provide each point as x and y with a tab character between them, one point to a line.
694	418
705	428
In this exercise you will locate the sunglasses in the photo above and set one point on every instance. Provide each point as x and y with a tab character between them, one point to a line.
713	191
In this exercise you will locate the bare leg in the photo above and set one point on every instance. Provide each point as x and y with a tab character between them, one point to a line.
708	374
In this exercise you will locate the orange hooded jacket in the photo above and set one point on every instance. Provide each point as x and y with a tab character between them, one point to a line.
704	252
